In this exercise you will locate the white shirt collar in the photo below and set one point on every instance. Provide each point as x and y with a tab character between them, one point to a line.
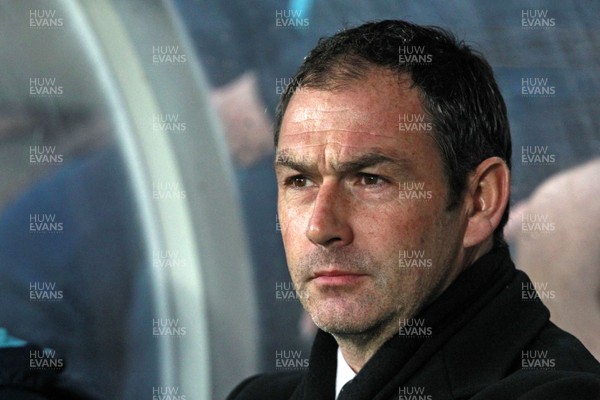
344	373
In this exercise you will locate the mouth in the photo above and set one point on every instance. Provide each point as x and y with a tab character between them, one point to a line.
336	277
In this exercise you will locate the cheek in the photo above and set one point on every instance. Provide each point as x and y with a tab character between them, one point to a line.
292	224
405	242
396	225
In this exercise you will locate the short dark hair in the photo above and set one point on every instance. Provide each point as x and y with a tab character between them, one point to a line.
460	95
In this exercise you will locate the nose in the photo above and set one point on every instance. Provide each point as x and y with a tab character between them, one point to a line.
328	225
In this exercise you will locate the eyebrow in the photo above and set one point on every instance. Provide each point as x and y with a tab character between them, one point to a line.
401	165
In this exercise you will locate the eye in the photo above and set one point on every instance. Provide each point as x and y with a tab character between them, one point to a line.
370	179
298	181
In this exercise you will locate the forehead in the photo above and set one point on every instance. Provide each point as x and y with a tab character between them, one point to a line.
363	115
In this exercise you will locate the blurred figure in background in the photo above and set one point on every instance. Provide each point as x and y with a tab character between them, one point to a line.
555	234
65	241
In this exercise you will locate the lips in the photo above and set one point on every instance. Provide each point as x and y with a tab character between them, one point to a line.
336	277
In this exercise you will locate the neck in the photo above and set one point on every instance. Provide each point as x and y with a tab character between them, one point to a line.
359	348
475	253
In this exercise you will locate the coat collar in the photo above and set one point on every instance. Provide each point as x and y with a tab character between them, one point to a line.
489	347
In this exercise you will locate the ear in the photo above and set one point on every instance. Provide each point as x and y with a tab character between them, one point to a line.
486	200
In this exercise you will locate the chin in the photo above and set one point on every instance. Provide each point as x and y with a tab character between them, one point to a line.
348	324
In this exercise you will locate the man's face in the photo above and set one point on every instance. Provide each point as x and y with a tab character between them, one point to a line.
362	205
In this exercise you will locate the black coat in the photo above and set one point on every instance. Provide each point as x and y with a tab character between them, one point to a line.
490	337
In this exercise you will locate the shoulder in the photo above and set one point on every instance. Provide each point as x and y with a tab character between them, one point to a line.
561	350
267	386
544	385
555	365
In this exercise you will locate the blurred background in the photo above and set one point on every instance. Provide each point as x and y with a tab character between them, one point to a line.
138	227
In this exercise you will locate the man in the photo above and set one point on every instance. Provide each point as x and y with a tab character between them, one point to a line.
393	157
